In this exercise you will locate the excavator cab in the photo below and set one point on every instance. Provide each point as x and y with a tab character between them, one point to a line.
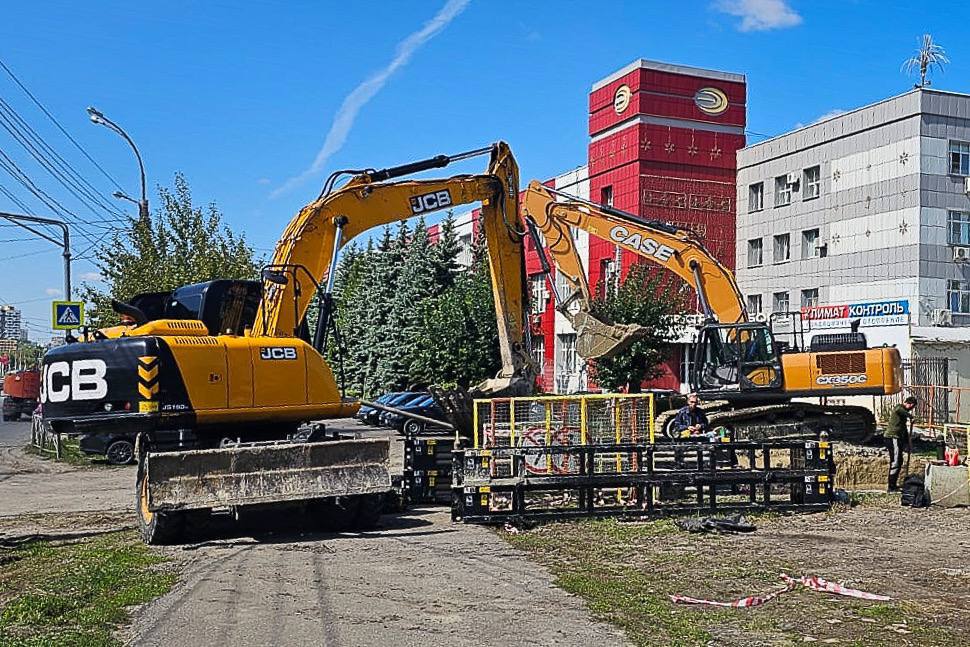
734	359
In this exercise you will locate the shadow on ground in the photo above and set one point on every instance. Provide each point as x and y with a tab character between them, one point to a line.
291	525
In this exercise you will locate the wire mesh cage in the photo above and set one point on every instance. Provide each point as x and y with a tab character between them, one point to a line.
535	423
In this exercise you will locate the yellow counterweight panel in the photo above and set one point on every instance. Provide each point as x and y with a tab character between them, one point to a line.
279	371
797	371
321	384
844	372
202	363
240	360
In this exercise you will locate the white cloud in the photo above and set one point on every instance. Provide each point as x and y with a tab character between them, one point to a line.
760	15
264	180
91	276
52	292
343	121
828	115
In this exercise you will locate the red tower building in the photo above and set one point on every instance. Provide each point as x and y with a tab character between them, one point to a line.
662	145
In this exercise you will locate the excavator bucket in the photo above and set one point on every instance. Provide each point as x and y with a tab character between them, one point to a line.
262	474
457	404
596	339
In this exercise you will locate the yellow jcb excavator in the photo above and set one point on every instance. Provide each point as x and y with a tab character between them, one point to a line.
747	371
216	376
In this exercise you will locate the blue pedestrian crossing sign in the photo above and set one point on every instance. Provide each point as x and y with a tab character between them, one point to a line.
67	315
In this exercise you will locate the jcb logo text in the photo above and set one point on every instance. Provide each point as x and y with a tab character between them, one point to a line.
430	201
82	379
277	352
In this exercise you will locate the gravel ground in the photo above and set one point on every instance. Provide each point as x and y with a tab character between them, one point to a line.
418	580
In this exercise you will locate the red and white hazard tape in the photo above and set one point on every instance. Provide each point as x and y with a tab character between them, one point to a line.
812	582
818	584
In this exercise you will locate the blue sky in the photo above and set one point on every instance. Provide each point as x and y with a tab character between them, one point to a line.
241	96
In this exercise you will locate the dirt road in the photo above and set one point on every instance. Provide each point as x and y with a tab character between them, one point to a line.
30	485
419	580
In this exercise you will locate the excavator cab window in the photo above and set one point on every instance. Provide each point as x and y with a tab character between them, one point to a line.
226	307
736	358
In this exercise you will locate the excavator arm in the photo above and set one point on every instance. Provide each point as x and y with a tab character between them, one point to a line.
306	254
553	213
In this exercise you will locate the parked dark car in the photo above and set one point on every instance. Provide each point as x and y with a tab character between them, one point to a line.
425	406
366	412
117	448
397	401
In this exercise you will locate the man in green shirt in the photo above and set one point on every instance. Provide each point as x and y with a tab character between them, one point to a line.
896	437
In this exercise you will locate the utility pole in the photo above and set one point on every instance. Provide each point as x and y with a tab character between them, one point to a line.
65	244
97	117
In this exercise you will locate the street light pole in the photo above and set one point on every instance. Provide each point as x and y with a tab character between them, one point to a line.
98	117
65	244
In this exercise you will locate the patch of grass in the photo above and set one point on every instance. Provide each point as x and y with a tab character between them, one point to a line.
70	453
76	593
626	572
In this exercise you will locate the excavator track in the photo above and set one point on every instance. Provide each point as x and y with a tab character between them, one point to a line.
786	421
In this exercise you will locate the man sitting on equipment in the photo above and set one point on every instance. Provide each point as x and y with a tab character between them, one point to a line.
690	420
896	436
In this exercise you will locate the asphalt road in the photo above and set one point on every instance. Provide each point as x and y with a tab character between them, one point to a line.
417	580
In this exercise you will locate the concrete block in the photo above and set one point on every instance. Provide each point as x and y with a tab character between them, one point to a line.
947	486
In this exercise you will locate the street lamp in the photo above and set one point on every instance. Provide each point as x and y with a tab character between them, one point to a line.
65	244
98	117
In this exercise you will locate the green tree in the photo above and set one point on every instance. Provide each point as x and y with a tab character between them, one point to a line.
445	252
644	297
178	245
459	344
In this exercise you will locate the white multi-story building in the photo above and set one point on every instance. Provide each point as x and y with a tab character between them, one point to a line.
11	323
866	216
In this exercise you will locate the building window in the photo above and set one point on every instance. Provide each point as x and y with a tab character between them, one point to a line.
540	294
686	364
539	352
958	228
959	158
564	289
756	197
782	248
568	359
779	302
755	256
782	191
810	298
754	304
810	248
606	196
958	296
811	183
609	273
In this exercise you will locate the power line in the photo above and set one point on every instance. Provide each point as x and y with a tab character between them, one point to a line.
59	126
18	174
45	154
26	254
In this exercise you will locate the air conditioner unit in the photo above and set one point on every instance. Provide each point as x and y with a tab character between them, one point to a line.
942	317
792	178
761	317
961	254
966	185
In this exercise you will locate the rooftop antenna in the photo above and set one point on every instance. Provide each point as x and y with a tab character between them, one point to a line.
928	55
